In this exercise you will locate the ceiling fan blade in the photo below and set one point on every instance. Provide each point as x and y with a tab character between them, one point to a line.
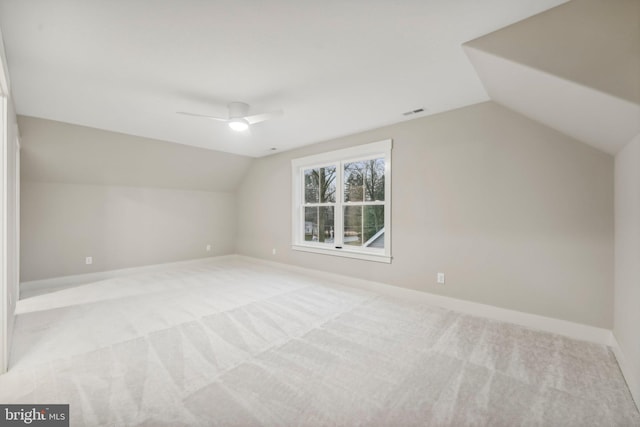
203	115
257	118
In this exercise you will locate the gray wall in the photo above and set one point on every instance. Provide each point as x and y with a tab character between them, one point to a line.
63	152
517	215
119	227
627	260
123	200
591	42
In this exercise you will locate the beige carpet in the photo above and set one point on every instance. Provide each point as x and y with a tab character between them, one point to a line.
229	342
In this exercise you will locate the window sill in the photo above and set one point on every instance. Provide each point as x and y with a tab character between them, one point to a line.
344	253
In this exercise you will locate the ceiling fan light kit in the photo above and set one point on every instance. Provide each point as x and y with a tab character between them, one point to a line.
239	120
239	124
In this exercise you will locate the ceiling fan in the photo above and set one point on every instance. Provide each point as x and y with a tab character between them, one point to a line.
239	118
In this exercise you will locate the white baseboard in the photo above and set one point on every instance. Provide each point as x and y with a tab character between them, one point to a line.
533	321
58	283
557	326
632	378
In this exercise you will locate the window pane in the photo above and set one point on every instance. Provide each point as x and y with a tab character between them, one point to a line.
326	224
311	224
318	224
374	180
364	226
328	185
373	226
353	225
353	181
311	186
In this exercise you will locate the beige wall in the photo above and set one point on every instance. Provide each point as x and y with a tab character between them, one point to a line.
591	42
62	152
627	261
516	215
119	227
123	200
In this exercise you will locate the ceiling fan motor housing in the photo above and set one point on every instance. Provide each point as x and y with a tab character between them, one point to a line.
238	110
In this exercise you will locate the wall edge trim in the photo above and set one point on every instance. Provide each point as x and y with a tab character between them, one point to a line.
548	324
62	282
627	373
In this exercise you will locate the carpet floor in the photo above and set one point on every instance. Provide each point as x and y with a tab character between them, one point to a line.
234	343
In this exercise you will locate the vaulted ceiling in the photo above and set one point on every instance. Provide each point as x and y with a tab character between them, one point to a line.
575	68
335	67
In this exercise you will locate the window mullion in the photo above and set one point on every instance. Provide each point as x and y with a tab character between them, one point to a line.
301	226
339	232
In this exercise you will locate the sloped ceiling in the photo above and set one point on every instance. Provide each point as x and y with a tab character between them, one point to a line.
335	67
575	68
65	153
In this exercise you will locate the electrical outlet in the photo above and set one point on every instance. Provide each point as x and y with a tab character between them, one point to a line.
441	278
88	260
208	248
273	251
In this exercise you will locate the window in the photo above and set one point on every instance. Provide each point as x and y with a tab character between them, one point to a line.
342	202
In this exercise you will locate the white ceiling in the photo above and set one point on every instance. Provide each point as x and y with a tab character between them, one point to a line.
335	67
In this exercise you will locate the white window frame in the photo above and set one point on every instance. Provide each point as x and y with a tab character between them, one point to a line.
381	149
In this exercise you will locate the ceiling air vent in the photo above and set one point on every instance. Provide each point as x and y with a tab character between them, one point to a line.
409	113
